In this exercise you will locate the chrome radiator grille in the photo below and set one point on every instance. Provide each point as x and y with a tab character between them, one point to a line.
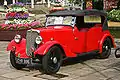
30	41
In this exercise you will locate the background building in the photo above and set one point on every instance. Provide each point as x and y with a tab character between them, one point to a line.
101	4
109	4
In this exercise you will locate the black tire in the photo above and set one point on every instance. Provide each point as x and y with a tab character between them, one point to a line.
51	62
106	49
117	53
13	62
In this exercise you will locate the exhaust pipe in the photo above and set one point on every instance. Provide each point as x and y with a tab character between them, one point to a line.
117	53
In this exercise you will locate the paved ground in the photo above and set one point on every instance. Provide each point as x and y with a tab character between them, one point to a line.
81	68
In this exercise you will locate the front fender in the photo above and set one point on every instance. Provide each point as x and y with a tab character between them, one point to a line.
17	47
103	39
43	49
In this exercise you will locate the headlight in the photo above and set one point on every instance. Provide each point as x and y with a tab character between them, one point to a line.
17	38
38	40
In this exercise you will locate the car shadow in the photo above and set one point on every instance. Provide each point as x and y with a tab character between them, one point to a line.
79	59
66	62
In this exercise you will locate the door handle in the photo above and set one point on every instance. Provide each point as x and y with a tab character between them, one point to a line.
76	38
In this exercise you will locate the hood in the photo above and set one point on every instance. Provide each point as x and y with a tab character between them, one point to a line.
49	33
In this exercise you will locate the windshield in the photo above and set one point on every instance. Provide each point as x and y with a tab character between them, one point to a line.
60	20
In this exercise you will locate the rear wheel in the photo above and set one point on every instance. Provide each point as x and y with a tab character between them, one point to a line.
13	62
51	62
106	49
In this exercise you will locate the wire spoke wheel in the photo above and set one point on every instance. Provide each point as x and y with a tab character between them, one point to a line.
106	49
52	60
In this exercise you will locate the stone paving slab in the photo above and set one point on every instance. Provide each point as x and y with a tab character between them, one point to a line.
29	78
71	68
2	78
117	77
109	73
82	72
12	75
94	76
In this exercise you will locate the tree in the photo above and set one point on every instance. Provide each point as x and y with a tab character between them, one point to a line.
98	4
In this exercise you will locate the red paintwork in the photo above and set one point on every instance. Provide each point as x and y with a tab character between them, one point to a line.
105	34
19	48
72	40
43	49
22	44
93	37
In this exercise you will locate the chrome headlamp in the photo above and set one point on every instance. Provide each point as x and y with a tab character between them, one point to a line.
38	40
17	38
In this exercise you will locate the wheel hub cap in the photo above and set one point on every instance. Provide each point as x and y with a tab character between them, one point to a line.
106	47
54	60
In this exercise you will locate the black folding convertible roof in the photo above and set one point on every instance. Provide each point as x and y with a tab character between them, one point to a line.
78	13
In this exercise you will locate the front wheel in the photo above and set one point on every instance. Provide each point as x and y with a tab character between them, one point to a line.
13	62
106	49
51	62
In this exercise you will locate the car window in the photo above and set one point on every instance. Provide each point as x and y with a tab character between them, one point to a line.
92	19
60	20
88	21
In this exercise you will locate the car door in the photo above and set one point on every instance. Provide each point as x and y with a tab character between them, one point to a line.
93	37
80	40
94	22
80	35
72	38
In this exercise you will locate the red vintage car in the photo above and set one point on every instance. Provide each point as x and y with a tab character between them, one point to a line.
67	33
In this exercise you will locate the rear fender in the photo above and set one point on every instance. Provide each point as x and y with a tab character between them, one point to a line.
16	46
103	39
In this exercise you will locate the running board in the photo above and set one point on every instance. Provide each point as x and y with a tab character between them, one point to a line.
88	53
83	54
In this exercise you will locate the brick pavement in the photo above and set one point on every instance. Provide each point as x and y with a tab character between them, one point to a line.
81	68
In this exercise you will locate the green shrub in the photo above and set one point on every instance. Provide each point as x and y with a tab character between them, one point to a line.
114	15
115	32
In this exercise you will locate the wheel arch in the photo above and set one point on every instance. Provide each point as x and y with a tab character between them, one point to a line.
103	39
42	50
39	56
63	52
111	41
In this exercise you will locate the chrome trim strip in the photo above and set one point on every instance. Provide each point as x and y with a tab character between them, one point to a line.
32	30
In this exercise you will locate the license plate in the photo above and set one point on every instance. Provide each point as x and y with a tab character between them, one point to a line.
23	60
